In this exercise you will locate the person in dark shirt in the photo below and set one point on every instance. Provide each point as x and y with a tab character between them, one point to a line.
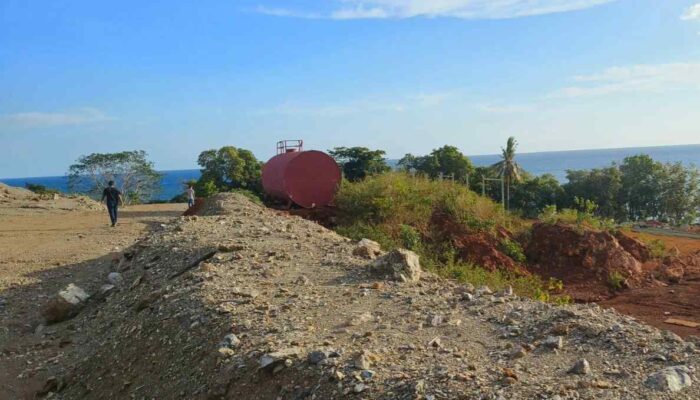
113	198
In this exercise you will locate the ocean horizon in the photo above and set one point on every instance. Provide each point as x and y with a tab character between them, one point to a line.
536	163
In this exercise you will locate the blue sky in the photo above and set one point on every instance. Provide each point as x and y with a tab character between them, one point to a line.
178	77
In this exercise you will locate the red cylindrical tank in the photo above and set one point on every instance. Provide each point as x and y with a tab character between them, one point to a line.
307	178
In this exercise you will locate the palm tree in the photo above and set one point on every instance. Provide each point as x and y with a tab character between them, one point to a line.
507	168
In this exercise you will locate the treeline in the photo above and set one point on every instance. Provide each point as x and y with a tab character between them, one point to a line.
638	188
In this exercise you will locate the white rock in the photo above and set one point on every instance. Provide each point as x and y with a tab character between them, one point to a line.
671	379
403	265
115	278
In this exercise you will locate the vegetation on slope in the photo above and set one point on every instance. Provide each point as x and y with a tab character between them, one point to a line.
397	210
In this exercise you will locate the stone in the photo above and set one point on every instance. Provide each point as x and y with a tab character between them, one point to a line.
484	291
271	360
315	357
554	342
66	304
582	367
518	352
230	341
401	264
226	352
367	249
359	388
671	379
467	297
115	278
434	320
367	374
364	360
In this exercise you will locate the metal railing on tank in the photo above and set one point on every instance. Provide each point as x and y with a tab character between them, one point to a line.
289	146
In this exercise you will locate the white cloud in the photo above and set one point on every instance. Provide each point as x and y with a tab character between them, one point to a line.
638	78
467	9
82	116
692	13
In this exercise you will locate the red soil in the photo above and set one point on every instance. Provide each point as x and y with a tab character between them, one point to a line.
588	262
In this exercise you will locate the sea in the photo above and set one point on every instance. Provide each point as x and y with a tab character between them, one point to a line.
551	162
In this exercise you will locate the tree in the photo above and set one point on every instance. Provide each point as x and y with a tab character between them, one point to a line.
359	162
680	193
133	174
444	161
602	186
641	186
507	168
228	168
534	194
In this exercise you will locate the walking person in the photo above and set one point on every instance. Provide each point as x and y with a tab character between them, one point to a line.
113	198
190	196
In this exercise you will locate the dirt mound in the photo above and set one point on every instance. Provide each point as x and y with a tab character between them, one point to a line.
220	204
11	193
14	200
280	308
592	264
480	248
636	248
681	267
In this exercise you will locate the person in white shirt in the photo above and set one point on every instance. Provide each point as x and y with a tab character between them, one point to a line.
190	196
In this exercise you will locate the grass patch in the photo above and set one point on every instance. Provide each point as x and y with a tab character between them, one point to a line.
395	210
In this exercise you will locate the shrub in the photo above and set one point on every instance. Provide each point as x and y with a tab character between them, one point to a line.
410	238
616	280
513	250
252	196
40	189
531	286
657	248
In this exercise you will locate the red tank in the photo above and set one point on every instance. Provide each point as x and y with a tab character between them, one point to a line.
307	178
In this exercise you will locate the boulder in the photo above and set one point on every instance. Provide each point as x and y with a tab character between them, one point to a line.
671	379
401	264
367	249
66	304
115	278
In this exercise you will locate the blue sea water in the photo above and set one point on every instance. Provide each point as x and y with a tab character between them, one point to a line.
172	183
558	162
555	163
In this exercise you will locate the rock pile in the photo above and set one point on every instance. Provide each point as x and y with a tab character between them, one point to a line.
282	309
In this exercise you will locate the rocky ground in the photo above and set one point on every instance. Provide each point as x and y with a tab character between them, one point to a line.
41	251
20	201
255	304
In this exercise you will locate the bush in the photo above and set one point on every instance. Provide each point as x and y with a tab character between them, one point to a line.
410	238
513	250
252	196
40	189
657	248
616	280
531	286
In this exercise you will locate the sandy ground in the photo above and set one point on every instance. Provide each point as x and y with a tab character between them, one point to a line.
40	253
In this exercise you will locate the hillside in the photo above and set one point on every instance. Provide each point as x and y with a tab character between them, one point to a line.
280	308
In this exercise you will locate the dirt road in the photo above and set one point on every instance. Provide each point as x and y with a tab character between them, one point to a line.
40	253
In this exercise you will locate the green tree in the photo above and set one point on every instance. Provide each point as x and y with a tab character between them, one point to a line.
228	168
680	193
359	162
642	179
445	161
533	195
133	174
507	168
603	186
